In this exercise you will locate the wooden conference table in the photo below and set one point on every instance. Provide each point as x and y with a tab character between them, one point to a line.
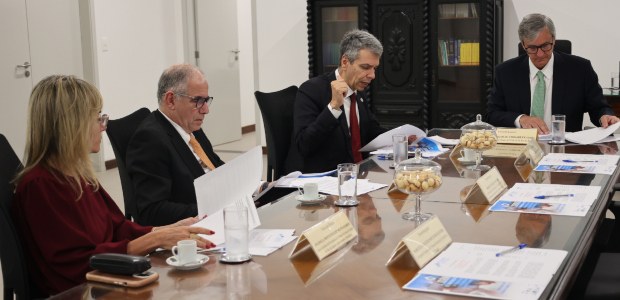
358	271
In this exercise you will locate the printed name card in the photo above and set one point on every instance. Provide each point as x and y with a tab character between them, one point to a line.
516	135
487	188
423	243
327	236
534	152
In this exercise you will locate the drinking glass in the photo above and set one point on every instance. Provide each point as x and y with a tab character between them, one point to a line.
347	185
558	125
400	146
236	234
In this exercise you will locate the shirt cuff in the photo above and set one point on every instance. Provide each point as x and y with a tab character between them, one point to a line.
334	111
517	124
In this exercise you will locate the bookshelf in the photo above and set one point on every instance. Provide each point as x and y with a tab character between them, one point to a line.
438	61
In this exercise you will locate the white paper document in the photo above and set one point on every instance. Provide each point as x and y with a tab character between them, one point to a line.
385	139
474	270
444	141
233	181
428	146
265	241
329	185
593	135
578	163
550	199
230	184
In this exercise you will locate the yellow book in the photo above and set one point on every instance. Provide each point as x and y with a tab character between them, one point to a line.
475	53
465	56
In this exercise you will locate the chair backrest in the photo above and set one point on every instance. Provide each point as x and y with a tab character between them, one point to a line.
14	270
277	111
120	132
564	46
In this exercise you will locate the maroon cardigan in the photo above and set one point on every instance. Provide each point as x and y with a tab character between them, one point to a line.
60	234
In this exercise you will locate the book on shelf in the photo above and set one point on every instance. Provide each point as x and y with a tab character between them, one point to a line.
457	52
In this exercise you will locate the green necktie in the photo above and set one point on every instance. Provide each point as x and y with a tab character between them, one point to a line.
538	103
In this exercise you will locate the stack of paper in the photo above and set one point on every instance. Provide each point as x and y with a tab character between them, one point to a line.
578	163
594	135
265	241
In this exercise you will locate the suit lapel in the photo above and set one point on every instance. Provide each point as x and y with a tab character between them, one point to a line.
559	81
180	146
523	81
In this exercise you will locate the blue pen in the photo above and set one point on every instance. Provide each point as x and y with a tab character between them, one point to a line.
551	196
513	249
577	161
385	156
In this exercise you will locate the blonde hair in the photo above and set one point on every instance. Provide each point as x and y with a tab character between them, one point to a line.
60	119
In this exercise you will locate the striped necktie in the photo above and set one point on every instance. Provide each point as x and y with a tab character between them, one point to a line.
538	100
201	153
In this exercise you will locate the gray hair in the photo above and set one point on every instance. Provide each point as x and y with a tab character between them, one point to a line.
356	40
175	78
533	24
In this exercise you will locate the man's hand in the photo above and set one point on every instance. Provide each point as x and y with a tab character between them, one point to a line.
339	90
533	122
607	120
411	139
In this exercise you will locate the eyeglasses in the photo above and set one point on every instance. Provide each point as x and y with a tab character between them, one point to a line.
103	120
534	49
200	101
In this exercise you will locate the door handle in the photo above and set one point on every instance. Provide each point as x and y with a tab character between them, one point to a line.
236	52
26	65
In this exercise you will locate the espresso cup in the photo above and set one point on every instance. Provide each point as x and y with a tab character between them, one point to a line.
311	191
185	251
468	154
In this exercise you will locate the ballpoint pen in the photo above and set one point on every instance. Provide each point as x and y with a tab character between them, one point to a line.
552	196
510	250
385	156
577	161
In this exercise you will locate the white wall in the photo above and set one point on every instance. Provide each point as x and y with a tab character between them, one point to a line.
282	45
246	62
136	40
591	26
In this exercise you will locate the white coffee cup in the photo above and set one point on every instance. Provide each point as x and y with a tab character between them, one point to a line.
468	154
185	251
311	191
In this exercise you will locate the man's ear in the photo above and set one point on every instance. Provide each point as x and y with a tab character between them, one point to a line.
344	62
168	100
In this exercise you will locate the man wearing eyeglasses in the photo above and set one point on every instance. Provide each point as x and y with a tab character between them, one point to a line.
169	149
530	88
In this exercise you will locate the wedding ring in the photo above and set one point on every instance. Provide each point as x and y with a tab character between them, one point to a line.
192	236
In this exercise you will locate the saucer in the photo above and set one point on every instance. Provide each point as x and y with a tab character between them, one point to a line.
305	201
201	260
463	161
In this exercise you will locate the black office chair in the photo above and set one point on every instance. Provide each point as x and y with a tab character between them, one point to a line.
277	111
120	132
564	46
16	279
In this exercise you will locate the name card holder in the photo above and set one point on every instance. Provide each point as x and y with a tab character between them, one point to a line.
528	159
422	244
516	135
326	237
487	188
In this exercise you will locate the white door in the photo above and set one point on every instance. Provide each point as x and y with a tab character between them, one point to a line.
15	82
217	43
41	33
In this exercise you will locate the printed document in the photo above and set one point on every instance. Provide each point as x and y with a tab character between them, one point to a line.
549	199
474	270
385	139
578	163
593	135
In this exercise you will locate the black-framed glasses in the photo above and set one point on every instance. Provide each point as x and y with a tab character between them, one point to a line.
103	120
200	101
534	49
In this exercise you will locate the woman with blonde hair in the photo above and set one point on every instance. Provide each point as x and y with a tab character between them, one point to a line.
61	212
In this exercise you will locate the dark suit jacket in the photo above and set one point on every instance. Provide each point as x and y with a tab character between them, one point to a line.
320	141
162	169
575	91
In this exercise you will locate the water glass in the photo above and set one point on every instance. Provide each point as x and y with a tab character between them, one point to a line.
558	125
347	185
236	234
400	147
615	81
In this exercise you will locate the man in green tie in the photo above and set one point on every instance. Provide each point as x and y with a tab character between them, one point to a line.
529	89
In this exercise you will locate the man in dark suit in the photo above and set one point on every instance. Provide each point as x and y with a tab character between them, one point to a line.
567	85
162	158
326	104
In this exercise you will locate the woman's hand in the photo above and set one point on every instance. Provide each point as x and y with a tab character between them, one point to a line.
168	237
